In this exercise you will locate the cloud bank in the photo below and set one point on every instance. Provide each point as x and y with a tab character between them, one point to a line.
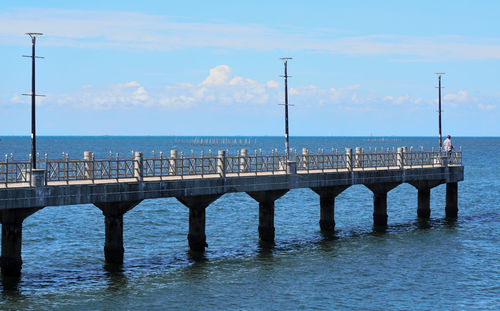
129	30
221	89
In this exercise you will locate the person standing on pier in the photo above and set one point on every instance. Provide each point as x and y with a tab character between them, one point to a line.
447	145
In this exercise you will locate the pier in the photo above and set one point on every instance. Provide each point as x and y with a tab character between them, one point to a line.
115	185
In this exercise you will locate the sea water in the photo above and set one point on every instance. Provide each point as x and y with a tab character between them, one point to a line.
415	265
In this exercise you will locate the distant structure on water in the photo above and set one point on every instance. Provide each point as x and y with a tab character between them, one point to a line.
216	141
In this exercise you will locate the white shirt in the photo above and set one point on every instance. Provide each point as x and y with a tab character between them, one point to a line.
447	146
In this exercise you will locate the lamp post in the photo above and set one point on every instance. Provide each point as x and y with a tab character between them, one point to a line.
287	145
33	36
439	109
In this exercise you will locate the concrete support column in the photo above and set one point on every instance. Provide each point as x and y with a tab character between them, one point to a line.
451	200
327	197
380	191
113	225
12	236
266	212
138	166
197	204
424	196
380	209
196	237
424	203
266	221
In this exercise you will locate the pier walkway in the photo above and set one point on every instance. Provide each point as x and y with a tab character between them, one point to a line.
116	185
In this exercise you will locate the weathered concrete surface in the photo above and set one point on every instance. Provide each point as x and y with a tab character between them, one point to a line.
197	207
327	197
451	200
380	201
266	212
113	222
137	191
424	196
12	235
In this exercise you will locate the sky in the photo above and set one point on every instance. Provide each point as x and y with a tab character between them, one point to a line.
213	68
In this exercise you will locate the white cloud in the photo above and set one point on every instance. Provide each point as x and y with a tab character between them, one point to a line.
486	107
218	75
272	84
403	100
17	99
140	94
121	96
129	84
460	97
129	30
221	89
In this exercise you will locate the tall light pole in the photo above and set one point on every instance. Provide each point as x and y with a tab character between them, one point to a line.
439	74
287	145
33	36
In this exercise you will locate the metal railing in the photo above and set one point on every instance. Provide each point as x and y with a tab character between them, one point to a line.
221	165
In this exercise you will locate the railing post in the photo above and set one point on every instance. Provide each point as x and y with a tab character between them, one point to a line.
358	162
305	159
138	166
221	163
348	159
67	168
47	170
173	162
400	158
27	174
37	178
405	155
244	160
88	168
6	170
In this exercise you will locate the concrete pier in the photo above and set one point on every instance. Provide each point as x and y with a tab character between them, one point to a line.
113	225
424	203
327	197
424	196
266	212
451	200
117	185
12	235
197	204
380	191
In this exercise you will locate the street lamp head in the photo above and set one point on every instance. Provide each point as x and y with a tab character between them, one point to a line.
285	59
34	34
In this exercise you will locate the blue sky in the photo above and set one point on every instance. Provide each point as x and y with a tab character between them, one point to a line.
359	68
